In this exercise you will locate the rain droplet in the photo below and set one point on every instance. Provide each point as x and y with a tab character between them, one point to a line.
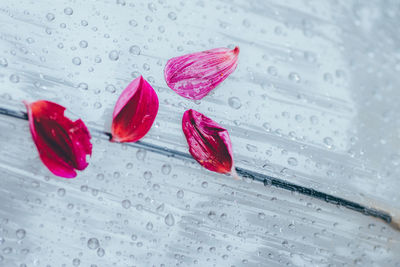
211	215
100	252
295	77
83	86
126	203
147	175
61	192
328	142
113	55
149	226
93	243
3	62
134	50
180	194
204	184
133	23
83	44
76	262
76	61
14	78
234	102
20	233
50	16
169	219
141	154
166	169
111	88
68	11
172	15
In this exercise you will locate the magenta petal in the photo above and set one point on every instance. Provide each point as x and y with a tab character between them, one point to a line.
134	112
62	144
194	75
208	142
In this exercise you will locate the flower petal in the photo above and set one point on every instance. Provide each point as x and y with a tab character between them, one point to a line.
194	75
134	112
62	144
208	142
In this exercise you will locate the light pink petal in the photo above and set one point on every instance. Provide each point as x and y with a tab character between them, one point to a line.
194	75
134	112
62	144
209	143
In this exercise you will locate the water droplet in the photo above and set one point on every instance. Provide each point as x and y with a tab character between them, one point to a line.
149	226
180	194
76	262
134	50
68	11
83	44
141	154
147	175
328	142
133	23
261	215
169	219
295	77
211	215
166	169
93	243
76	61
20	233
14	78
292	161
3	62
126	203
50	16
111	88
113	55
129	165
204	184
100	252
234	102
61	192
172	15
83	86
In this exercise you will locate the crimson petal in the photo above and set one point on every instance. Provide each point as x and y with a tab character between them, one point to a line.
134	112
209	143
62	144
194	75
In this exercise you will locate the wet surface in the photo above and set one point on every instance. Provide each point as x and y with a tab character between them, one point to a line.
313	102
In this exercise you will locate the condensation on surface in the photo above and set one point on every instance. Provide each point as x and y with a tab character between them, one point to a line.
313	101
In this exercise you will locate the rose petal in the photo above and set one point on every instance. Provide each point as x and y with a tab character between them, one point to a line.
134	112
208	142
62	144
194	75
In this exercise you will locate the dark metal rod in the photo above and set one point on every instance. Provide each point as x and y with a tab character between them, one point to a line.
265	179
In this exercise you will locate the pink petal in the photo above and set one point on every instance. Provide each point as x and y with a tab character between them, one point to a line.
209	143
62	144
134	112
194	75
